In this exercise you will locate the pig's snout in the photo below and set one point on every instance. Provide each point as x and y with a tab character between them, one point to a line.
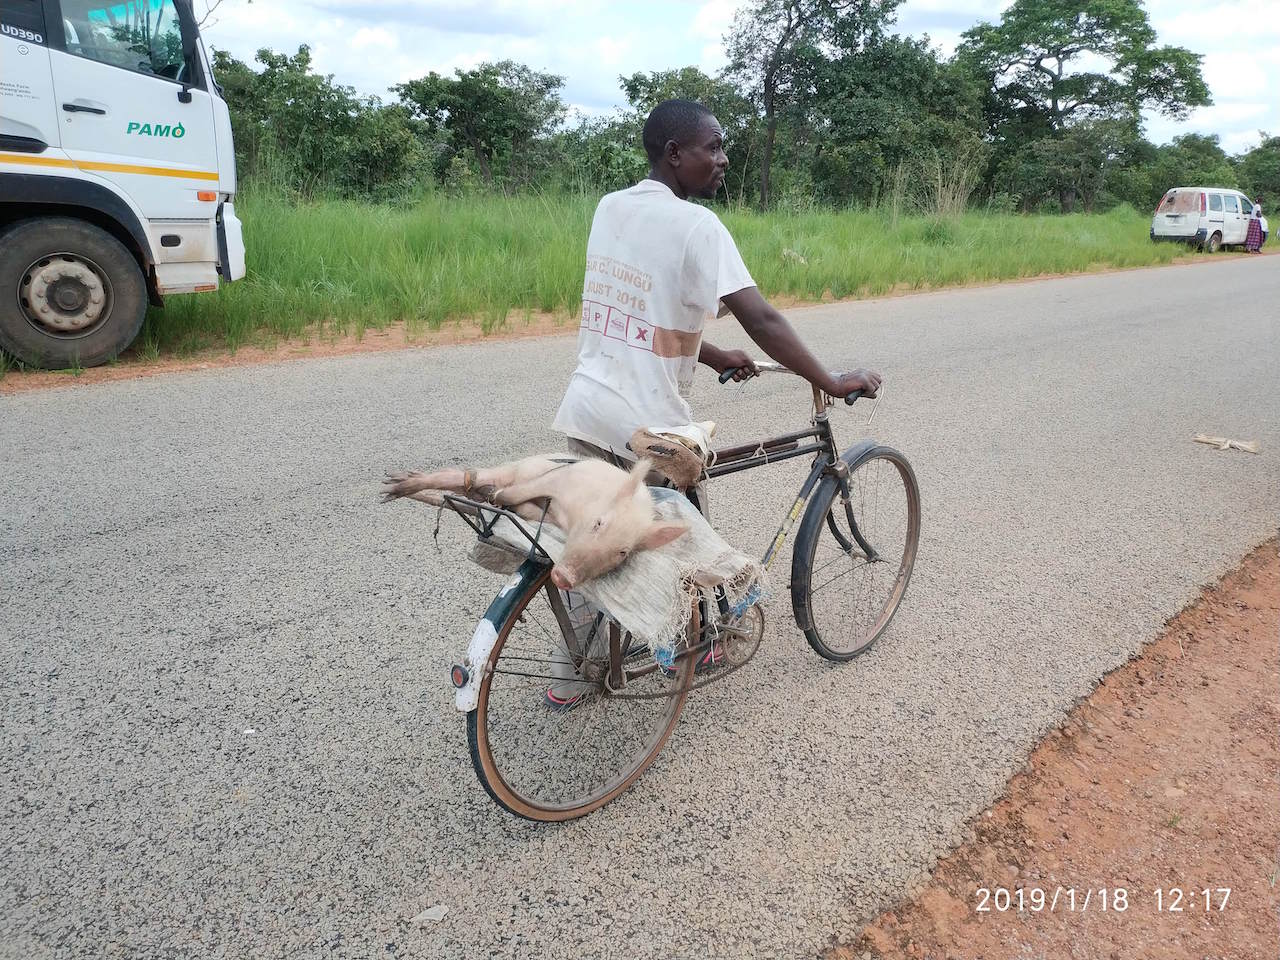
561	578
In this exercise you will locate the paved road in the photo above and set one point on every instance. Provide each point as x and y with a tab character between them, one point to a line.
227	727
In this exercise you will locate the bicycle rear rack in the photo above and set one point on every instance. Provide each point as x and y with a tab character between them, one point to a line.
482	517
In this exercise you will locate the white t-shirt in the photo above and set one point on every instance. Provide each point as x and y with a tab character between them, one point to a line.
657	267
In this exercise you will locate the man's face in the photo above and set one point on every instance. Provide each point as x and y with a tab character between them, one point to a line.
703	163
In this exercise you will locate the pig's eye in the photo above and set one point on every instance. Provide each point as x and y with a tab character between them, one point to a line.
622	554
598	524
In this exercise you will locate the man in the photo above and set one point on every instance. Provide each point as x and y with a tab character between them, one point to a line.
658	267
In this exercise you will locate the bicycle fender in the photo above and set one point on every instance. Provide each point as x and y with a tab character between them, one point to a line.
812	518
467	697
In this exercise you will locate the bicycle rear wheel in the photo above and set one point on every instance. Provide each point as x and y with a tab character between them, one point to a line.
853	558
549	764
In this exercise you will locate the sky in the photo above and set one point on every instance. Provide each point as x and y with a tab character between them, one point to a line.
372	44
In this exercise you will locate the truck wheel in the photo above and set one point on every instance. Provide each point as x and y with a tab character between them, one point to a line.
70	293
1215	243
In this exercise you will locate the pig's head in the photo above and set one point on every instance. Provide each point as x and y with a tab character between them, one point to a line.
621	521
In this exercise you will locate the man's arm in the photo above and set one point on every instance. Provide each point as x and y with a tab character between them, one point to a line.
773	333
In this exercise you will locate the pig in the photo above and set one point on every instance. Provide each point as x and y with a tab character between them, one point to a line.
606	513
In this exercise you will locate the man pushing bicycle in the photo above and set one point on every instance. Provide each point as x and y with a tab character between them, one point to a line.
658	266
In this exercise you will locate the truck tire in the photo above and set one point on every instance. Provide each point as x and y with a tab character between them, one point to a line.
1215	243
70	293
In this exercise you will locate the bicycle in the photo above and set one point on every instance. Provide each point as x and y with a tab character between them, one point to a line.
862	517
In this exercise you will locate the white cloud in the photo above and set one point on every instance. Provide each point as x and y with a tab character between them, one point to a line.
367	37
714	18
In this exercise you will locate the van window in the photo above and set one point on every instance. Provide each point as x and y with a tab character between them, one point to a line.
1215	201
1232	205
144	36
1181	202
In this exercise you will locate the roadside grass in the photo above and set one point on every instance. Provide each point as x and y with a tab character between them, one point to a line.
333	268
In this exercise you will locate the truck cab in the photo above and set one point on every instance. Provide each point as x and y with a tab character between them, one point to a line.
117	174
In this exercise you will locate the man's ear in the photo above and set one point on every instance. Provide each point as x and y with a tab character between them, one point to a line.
671	150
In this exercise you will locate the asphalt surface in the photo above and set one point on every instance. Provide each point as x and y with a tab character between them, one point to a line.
228	729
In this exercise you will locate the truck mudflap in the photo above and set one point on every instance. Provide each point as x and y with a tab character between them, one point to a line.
230	243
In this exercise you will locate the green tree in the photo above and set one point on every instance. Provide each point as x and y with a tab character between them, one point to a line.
772	46
1192	160
495	112
1259	169
1077	163
302	133
1052	64
888	107
1030	55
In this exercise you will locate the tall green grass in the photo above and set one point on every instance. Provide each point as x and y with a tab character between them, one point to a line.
336	268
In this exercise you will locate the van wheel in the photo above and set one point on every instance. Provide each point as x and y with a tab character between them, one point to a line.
1215	243
70	293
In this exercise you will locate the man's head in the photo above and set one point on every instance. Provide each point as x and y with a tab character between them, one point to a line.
685	146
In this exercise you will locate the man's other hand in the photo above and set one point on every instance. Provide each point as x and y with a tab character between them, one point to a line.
740	362
843	384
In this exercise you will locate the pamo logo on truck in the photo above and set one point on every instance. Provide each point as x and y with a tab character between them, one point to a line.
177	131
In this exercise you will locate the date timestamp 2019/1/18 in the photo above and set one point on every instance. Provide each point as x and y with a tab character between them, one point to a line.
1114	899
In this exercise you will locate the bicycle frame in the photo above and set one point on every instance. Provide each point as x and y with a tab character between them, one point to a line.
788	446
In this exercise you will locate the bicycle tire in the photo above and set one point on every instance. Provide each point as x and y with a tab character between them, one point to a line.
826	520
489	756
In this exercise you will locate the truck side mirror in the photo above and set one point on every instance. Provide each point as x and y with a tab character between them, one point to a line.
184	95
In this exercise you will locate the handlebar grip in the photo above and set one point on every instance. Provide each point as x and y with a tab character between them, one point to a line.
852	397
728	374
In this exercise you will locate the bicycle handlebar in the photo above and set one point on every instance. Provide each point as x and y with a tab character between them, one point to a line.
766	367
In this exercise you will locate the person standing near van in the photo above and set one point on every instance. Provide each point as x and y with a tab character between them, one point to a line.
1253	238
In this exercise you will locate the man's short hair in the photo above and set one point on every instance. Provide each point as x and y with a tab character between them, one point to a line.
676	120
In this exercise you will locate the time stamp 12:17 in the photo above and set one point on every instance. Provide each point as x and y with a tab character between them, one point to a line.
1171	900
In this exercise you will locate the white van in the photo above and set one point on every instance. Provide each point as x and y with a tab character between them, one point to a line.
117	174
1209	217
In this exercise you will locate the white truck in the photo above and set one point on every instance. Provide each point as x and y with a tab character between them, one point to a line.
117	174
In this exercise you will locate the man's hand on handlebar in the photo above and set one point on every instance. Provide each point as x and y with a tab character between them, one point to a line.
843	384
735	365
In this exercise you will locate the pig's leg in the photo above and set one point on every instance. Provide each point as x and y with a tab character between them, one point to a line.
489	482
481	482
407	484
527	491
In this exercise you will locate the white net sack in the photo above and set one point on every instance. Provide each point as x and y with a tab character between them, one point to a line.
652	593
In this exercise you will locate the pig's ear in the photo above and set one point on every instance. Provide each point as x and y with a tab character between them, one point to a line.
636	477
660	534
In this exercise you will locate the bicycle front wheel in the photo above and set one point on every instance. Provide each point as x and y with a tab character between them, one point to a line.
547	761
853	555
